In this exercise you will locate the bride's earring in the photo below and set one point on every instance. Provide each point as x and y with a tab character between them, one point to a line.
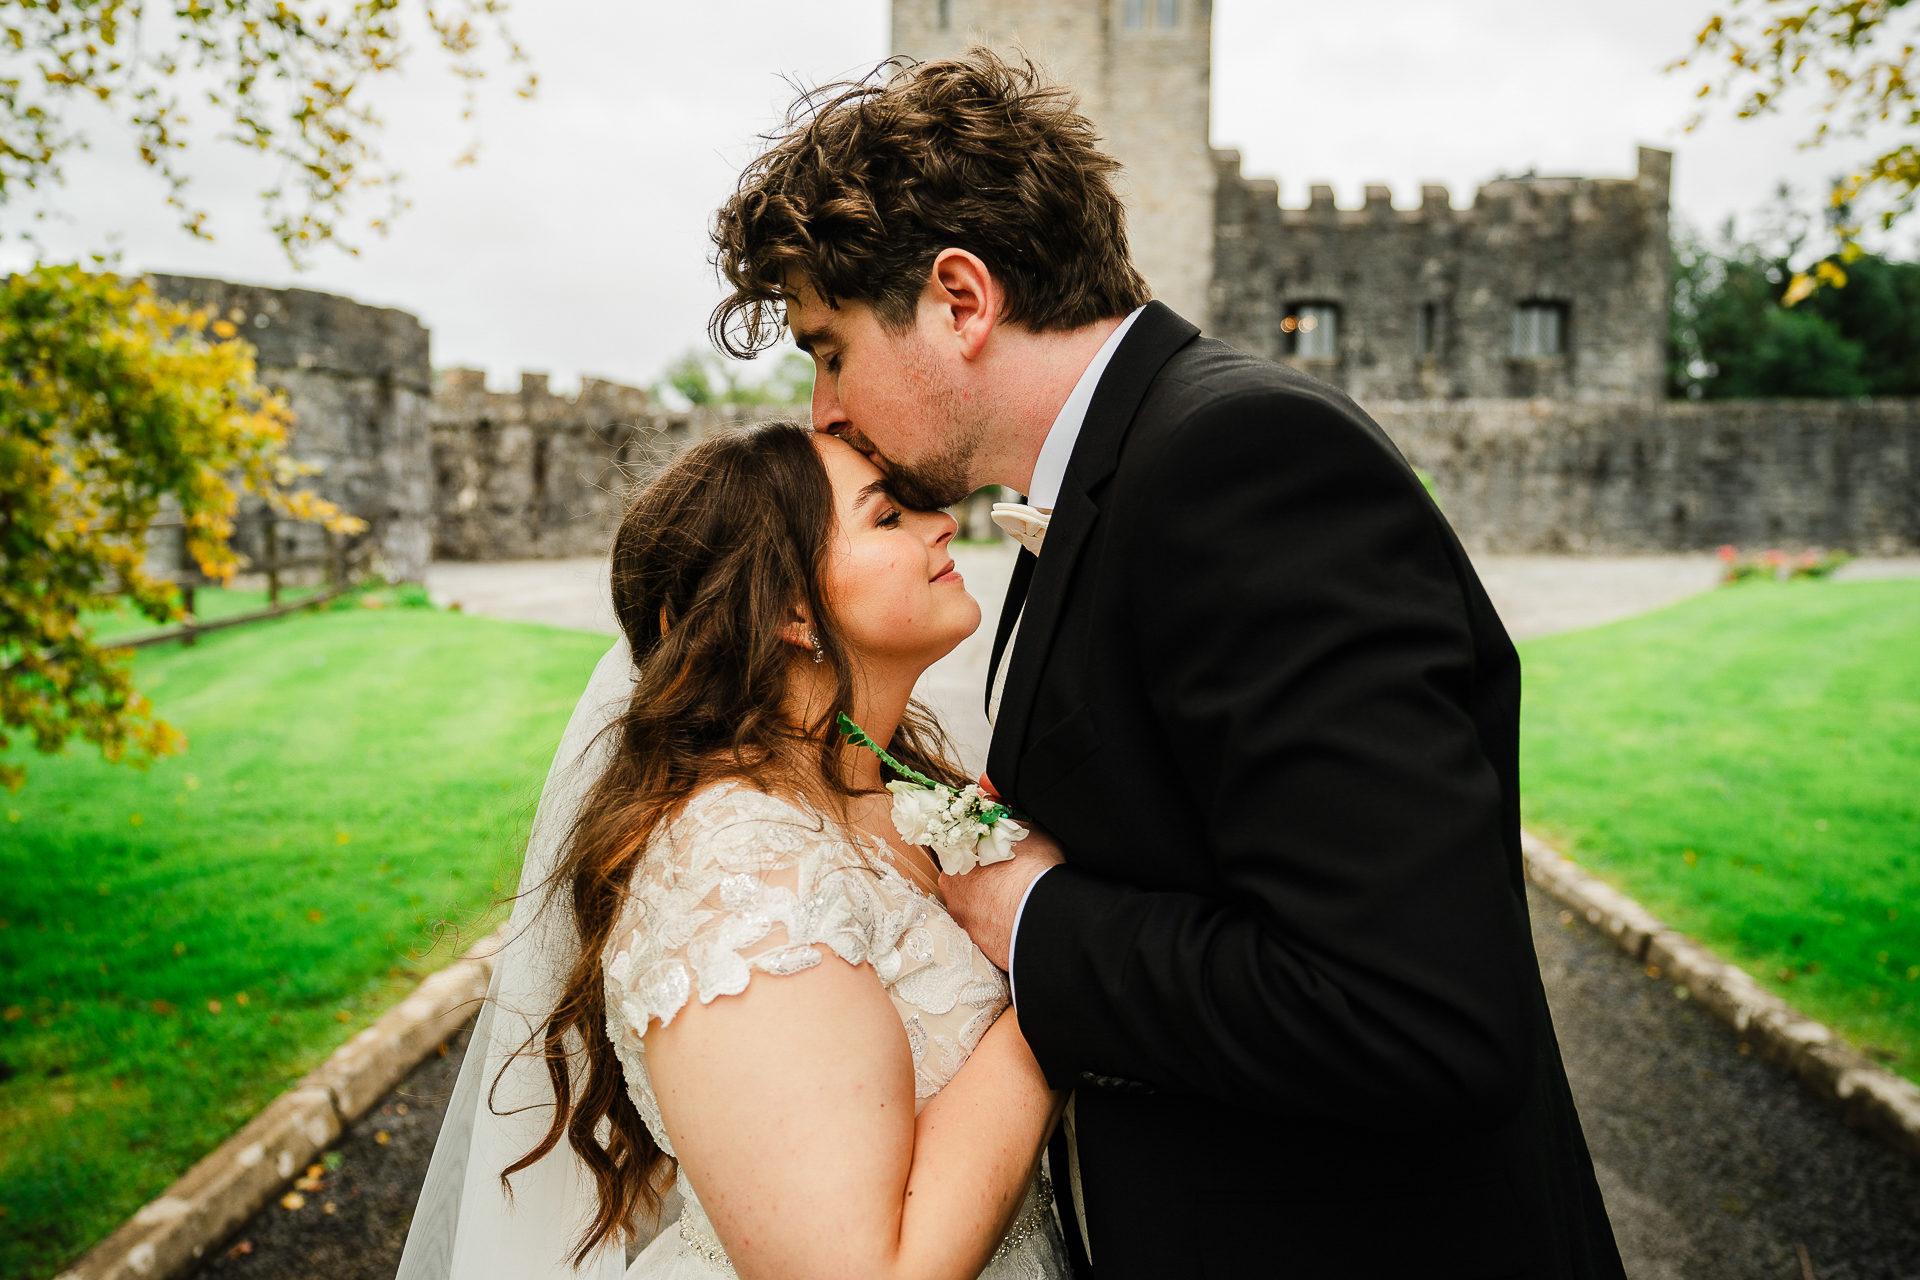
819	653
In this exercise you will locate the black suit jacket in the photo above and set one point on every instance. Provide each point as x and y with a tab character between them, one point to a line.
1262	700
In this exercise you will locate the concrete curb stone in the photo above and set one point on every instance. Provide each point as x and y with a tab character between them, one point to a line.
171	1234
1868	1096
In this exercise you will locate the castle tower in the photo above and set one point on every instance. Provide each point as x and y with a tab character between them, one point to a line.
1143	72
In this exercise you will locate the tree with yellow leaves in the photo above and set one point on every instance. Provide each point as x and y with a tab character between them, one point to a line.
1859	55
286	78
111	401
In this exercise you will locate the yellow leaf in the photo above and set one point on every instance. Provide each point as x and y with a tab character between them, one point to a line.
1830	273
1799	289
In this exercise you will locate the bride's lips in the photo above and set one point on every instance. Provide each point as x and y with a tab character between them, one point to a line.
949	574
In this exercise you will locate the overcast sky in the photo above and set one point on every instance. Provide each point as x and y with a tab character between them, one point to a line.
577	244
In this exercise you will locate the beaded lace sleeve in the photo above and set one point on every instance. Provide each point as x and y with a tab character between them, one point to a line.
742	882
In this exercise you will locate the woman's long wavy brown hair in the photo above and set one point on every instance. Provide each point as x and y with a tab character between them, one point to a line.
708	564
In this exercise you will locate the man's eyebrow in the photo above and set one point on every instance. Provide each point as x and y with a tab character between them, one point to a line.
805	338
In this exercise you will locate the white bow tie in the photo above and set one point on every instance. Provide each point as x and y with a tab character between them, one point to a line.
1024	524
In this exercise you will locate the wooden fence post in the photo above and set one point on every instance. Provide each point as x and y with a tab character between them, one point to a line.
273	559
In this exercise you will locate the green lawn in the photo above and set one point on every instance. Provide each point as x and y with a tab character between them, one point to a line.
1747	765
179	945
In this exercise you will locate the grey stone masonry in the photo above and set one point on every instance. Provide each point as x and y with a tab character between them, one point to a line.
1546	476
358	379
1142	71
527	474
1553	287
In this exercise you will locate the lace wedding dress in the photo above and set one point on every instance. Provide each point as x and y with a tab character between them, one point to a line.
743	887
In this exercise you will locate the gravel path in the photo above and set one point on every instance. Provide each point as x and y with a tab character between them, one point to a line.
1715	1166
354	1225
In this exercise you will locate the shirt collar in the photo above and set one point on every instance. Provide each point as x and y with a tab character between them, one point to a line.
1050	469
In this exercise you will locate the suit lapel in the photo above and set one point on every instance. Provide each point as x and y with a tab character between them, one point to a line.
1009	614
1155	336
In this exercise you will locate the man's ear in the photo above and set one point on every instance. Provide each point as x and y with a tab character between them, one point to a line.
969	298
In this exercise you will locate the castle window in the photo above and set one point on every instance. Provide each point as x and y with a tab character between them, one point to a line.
1134	14
1426	329
1168	13
1539	329
1311	330
946	15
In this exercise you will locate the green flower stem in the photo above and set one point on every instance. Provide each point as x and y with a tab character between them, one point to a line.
857	735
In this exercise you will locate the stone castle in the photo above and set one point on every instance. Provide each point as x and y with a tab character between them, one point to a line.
1545	287
1514	349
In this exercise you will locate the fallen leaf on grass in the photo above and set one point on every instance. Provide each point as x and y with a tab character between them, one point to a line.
292	1200
383	1137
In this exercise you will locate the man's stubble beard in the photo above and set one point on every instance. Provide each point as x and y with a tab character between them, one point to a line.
939	481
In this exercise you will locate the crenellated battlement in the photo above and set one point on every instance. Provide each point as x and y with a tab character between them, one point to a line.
1523	197
1544	286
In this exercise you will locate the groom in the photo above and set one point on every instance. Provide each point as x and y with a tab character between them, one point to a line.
1251	686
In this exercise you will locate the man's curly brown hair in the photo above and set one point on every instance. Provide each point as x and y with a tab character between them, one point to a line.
869	180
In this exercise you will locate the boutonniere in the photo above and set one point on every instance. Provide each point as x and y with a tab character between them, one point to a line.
965	828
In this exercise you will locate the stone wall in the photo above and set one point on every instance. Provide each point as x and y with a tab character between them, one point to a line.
1425	298
520	475
358	378
1142	70
1541	476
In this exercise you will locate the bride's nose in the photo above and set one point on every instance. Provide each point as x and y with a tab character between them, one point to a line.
940	527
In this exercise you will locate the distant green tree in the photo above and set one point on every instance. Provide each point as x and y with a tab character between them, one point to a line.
710	382
1880	310
1737	332
1794	354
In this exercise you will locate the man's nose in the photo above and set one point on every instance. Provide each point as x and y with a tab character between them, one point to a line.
828	416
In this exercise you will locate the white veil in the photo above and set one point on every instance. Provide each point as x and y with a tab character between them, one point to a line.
464	1227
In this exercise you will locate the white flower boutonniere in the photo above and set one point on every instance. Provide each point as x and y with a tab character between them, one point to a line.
965	829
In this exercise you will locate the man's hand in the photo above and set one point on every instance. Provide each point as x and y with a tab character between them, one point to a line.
985	899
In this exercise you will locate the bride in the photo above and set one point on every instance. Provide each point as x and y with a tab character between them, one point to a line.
729	982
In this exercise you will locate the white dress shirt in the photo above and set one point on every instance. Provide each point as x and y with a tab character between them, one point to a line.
1049	473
